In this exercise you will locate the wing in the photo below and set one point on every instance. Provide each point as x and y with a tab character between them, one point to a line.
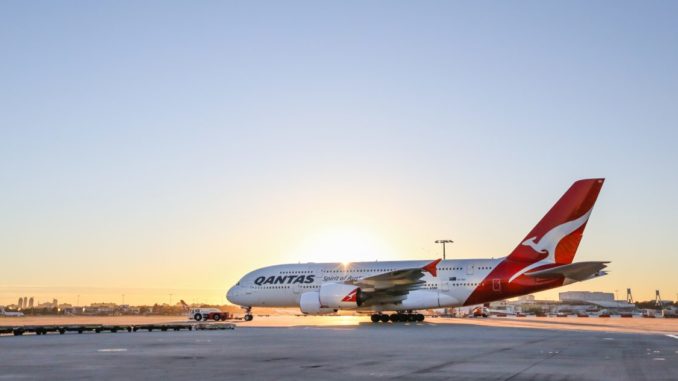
393	286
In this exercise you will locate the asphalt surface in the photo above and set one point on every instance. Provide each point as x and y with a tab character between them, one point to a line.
363	351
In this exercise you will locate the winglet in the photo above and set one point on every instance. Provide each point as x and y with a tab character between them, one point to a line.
432	267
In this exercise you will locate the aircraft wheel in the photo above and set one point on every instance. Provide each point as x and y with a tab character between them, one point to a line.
249	317
420	317
197	316
375	318
411	318
383	318
217	317
395	318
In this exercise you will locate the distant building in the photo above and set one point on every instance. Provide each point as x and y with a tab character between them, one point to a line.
585	296
21	303
30	302
104	305
581	301
100	308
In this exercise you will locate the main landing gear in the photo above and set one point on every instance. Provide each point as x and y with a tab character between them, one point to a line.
397	318
248	314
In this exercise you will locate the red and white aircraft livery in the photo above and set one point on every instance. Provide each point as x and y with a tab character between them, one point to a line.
541	261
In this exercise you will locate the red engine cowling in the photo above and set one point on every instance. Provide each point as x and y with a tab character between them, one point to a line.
339	295
310	304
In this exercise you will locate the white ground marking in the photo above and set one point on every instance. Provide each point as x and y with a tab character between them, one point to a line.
674	336
112	350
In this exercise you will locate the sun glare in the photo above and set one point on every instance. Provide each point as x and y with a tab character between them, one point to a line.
344	245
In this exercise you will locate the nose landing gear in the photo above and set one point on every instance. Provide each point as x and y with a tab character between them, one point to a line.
248	314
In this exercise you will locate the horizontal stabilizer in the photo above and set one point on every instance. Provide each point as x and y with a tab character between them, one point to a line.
576	271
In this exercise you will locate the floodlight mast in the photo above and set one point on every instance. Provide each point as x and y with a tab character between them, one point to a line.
444	241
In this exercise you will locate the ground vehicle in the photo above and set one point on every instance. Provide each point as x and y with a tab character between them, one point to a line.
480	312
199	314
204	313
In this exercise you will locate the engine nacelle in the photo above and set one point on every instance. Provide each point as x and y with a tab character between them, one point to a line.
339	295
310	304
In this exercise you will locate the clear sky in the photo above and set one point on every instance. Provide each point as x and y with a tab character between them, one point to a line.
149	148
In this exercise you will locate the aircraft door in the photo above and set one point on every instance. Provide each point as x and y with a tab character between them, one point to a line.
496	285
470	269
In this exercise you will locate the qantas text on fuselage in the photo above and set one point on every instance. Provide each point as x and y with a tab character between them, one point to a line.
542	260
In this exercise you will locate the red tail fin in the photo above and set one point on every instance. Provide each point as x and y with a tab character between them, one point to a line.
557	235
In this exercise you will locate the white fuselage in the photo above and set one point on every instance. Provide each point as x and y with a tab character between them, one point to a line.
283	285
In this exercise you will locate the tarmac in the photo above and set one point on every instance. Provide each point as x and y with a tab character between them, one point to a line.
467	349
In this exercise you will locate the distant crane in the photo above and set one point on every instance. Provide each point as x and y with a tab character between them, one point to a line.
657	299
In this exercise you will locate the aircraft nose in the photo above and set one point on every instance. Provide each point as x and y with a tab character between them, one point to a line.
232	295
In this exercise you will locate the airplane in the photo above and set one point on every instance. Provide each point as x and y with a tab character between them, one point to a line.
6	313
541	261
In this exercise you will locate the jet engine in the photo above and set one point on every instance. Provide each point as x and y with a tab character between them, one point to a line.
310	304
339	295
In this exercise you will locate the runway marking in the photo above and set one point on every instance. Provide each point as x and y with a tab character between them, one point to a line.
673	336
112	350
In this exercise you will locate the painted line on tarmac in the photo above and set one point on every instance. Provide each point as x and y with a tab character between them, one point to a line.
673	336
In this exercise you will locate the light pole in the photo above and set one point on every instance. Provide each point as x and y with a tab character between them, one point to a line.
444	241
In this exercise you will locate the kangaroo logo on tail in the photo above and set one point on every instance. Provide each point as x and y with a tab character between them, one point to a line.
549	242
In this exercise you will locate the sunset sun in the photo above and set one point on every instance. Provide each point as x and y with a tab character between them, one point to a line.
343	244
